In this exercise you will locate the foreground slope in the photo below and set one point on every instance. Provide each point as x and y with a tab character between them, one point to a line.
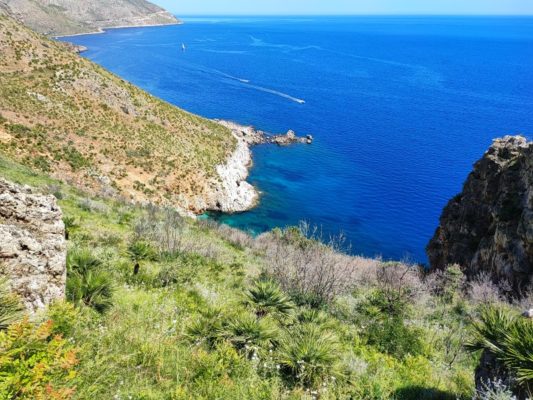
67	17
71	118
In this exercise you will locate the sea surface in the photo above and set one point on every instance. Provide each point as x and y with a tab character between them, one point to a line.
400	108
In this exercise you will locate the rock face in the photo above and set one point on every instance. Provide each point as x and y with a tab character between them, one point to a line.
32	245
67	17
234	194
489	226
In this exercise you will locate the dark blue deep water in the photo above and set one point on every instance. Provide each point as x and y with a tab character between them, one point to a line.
400	108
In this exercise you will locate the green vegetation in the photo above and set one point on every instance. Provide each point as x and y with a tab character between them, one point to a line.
63	115
509	338
214	313
11	309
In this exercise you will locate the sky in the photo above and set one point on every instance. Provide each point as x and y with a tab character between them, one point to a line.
344	7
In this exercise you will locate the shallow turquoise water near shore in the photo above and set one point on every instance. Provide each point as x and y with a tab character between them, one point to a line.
400	107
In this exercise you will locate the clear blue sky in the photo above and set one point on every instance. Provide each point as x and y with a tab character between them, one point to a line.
301	7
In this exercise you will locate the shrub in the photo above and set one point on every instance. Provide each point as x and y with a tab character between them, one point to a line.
70	224
509	338
313	273
398	285
87	283
11	309
394	337
308	356
481	290
34	364
448	283
266	297
495	391
163	227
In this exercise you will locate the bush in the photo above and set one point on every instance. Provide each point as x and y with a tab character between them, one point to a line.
87	283
509	338
398	285
308	356
313	273
394	337
448	283
266	297
70	225
11	309
495	391
35	365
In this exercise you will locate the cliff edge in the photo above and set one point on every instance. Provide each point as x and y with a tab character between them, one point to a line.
489	226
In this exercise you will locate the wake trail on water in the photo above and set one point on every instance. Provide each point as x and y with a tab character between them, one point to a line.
247	84
277	93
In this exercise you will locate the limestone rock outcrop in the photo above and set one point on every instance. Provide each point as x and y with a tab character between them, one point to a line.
32	245
489	226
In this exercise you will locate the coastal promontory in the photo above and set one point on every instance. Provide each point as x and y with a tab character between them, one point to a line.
488	228
70	17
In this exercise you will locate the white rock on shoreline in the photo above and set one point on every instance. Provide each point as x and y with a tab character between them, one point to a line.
235	194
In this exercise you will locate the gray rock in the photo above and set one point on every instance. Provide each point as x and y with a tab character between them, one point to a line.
489	226
32	245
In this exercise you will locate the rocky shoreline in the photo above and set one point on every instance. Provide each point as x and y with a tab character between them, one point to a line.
233	193
253	136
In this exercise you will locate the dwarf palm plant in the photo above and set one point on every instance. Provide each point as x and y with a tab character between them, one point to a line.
247	331
138	251
87	283
11	308
510	339
309	356
266	297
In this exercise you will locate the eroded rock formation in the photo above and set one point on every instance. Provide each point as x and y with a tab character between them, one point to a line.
489	226
32	245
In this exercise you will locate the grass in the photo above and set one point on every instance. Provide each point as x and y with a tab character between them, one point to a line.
200	320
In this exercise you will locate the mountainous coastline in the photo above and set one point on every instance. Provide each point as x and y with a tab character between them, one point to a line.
69	117
111	289
70	17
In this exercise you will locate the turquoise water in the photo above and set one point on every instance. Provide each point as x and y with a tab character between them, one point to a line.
400	109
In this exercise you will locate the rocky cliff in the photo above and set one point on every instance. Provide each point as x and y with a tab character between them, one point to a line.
68	17
489	226
32	245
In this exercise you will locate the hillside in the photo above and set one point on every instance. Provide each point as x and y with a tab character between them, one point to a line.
164	307
68	17
69	117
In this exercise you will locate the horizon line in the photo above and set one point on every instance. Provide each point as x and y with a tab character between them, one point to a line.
353	15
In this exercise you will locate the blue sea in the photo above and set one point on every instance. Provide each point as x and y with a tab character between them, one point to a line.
400	108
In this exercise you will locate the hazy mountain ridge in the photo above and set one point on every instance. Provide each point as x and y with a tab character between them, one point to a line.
68	17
